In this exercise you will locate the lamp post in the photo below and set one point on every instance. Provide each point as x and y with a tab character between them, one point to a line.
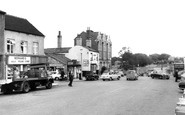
80	77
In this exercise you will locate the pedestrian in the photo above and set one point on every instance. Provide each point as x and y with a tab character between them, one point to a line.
62	73
70	79
176	75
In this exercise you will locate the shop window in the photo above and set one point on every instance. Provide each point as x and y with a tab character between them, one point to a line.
35	47
24	47
10	46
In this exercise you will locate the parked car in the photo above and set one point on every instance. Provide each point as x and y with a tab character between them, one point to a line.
131	75
121	73
160	75
182	81
91	76
180	108
110	76
56	76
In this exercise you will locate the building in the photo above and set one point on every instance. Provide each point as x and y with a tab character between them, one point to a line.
56	56
99	42
21	45
84	60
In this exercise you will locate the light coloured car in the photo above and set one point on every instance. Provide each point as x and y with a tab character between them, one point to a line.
110	76
55	75
180	108
131	75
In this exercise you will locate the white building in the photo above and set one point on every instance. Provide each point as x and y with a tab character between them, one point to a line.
87	59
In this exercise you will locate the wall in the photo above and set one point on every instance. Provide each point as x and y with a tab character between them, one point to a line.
18	37
2	57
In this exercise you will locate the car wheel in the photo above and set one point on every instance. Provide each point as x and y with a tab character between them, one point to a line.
56	78
103	79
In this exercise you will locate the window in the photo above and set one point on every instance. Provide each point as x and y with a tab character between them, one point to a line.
35	47
88	43
24	47
79	41
10	45
91	57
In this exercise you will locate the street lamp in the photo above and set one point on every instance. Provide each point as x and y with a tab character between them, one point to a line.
80	77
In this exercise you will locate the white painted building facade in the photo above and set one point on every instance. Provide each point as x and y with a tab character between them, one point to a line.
86	57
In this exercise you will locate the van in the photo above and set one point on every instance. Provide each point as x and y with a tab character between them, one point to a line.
131	75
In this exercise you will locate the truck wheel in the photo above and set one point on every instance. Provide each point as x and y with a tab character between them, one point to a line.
49	85
26	87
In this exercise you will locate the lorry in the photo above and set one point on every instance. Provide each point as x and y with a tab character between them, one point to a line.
28	80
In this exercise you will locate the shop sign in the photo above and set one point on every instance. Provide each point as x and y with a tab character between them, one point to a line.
85	62
70	63
19	60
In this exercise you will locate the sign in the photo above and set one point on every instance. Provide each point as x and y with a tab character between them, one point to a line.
70	63
85	62
19	60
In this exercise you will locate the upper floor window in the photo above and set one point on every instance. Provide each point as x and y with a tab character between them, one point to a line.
79	41
88	43
35	47
10	46
91	56
24	47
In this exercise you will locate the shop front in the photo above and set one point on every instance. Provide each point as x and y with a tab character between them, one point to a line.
75	67
22	63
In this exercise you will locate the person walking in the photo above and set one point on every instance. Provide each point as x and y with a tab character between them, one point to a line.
70	79
62	73
176	75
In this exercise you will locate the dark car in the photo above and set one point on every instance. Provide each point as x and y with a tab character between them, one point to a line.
91	76
159	75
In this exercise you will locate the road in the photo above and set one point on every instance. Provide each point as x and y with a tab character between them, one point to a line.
145	96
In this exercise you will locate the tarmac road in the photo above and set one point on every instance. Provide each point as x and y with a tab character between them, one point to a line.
145	96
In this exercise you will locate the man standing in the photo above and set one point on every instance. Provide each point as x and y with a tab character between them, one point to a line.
62	74
176	75
70	79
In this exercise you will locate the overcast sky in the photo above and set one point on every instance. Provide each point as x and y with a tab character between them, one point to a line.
146	26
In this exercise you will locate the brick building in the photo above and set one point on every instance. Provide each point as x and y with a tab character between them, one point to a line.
99	42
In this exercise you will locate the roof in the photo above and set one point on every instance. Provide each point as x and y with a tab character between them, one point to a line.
90	49
17	24
59	57
57	50
2	12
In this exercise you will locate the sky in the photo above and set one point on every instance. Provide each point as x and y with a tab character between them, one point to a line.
145	26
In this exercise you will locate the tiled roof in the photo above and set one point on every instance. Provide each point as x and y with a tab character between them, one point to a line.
17	24
57	50
59	57
90	49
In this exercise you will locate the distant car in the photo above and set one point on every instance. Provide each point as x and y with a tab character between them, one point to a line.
110	76
160	75
182	81
91	76
121	73
180	108
56	76
131	75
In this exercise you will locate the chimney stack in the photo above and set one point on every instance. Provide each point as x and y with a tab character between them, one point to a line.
59	40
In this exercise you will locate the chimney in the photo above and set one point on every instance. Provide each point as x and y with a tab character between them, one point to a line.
59	40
